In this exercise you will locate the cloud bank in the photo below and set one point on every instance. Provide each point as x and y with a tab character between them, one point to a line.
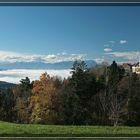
15	75
131	56
12	57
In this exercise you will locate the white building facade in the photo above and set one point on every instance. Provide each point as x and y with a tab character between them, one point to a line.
136	68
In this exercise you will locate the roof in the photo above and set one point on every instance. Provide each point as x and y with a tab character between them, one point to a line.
136	64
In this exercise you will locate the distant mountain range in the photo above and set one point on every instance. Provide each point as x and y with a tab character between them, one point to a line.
41	65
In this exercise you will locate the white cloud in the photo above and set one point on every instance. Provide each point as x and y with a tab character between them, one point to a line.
51	56
15	75
123	41
130	56
11	57
99	60
107	49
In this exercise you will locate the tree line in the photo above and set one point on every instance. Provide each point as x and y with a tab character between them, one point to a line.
103	95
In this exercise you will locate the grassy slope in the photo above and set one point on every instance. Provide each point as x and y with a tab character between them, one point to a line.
11	129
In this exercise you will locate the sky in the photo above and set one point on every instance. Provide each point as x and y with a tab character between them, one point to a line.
63	33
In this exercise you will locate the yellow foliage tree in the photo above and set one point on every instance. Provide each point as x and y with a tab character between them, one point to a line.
44	100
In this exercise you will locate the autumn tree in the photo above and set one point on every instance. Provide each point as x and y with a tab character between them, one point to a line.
43	102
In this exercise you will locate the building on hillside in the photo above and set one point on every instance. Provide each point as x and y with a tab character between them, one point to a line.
129	68
136	68
132	68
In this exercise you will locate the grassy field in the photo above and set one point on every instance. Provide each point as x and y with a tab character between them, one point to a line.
11	129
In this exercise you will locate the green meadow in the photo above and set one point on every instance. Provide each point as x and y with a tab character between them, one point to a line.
27	130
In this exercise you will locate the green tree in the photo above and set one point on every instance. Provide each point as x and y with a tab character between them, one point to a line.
134	100
26	84
6	105
22	93
115	74
83	86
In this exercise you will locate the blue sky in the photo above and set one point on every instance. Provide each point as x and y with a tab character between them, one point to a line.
93	32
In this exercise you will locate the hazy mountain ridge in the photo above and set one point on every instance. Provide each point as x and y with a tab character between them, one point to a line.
41	65
5	85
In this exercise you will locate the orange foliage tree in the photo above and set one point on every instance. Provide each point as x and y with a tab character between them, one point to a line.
43	102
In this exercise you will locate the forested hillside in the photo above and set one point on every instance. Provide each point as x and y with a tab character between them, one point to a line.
5	85
102	95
